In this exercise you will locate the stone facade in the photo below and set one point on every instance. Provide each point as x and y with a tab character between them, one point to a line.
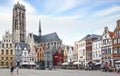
7	51
19	23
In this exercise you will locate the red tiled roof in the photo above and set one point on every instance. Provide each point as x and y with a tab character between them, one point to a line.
111	34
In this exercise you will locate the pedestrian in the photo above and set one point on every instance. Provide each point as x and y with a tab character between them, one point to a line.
17	70
117	68
12	70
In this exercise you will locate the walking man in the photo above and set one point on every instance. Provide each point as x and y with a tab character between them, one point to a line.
17	70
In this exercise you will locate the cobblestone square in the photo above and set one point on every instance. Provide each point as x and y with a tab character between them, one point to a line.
58	72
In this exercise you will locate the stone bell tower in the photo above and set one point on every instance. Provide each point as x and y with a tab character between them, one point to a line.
19	23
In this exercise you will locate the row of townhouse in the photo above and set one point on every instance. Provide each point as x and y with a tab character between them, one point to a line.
100	49
27	55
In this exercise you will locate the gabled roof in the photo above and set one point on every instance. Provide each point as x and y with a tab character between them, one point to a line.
93	36
90	36
84	37
46	38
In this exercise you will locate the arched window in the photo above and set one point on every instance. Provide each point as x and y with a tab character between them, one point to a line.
6	52
6	58
11	52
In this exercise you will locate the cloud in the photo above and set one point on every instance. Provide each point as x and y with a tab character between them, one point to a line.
70	28
107	11
60	6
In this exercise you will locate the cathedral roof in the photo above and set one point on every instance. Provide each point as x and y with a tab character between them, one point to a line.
22	45
46	38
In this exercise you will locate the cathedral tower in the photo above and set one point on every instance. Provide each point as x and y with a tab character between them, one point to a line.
19	23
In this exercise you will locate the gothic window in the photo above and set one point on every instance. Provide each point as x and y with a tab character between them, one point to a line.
22	15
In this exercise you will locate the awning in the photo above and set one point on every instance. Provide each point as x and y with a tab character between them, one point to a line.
31	63
25	63
65	63
98	63
76	63
117	61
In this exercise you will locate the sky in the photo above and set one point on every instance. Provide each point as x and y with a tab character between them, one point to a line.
70	19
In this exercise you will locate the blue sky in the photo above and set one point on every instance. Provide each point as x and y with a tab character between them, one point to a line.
71	19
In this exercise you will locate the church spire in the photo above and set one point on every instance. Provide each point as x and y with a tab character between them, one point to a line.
39	31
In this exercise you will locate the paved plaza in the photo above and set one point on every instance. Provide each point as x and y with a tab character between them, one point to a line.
58	72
